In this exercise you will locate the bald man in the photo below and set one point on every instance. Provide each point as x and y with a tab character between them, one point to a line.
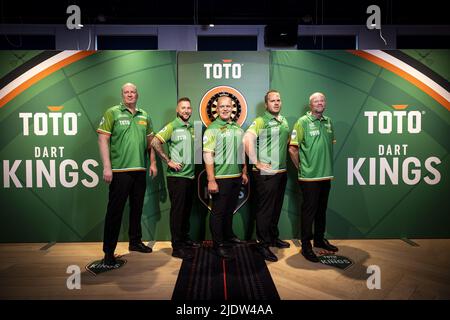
125	134
226	171
311	151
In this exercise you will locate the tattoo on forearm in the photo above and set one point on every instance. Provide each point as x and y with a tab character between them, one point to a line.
157	146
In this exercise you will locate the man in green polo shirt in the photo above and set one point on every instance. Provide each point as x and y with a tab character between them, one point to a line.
179	136
125	134
311	151
226	171
266	142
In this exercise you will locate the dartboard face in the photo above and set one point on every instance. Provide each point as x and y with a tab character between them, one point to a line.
212	106
208	105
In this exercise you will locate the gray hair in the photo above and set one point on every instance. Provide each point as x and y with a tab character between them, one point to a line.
316	94
129	84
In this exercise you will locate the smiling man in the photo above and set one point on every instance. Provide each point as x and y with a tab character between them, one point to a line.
179	136
226	171
311	151
125	134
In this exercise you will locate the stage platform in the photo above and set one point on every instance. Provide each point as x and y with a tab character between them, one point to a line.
408	271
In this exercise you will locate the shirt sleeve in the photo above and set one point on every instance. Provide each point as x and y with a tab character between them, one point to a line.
297	134
209	140
333	137
165	134
256	126
107	123
149	126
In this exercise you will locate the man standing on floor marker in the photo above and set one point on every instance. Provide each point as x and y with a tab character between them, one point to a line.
125	134
311	151
179	136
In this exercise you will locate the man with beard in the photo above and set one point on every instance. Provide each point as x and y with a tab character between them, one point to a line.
179	136
266	143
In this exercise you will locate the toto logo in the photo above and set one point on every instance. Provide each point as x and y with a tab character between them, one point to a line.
208	105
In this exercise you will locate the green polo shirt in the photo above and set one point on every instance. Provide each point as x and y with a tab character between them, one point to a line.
315	138
224	139
272	140
179	137
128	137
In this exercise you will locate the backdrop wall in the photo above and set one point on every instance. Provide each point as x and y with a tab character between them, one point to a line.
390	110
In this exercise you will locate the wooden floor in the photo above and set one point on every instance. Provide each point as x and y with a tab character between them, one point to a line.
407	272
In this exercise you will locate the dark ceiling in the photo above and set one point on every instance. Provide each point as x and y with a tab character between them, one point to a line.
228	12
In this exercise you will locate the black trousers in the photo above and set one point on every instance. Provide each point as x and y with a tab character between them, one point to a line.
181	194
268	195
223	204
314	209
124	185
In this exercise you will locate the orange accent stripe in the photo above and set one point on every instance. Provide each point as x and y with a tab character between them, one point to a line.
103	132
399	106
227	60
55	108
422	86
157	136
44	73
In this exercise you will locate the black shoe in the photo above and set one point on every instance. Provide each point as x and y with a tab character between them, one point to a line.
139	247
192	244
309	254
182	253
267	254
280	244
324	244
109	260
224	253
235	240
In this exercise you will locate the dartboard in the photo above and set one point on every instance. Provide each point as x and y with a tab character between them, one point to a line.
211	107
208	104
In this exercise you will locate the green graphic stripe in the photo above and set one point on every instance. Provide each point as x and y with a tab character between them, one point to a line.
81	104
25	66
381	97
368	94
355	120
436	60
53	211
102	61
124	75
343	62
322	75
420	67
